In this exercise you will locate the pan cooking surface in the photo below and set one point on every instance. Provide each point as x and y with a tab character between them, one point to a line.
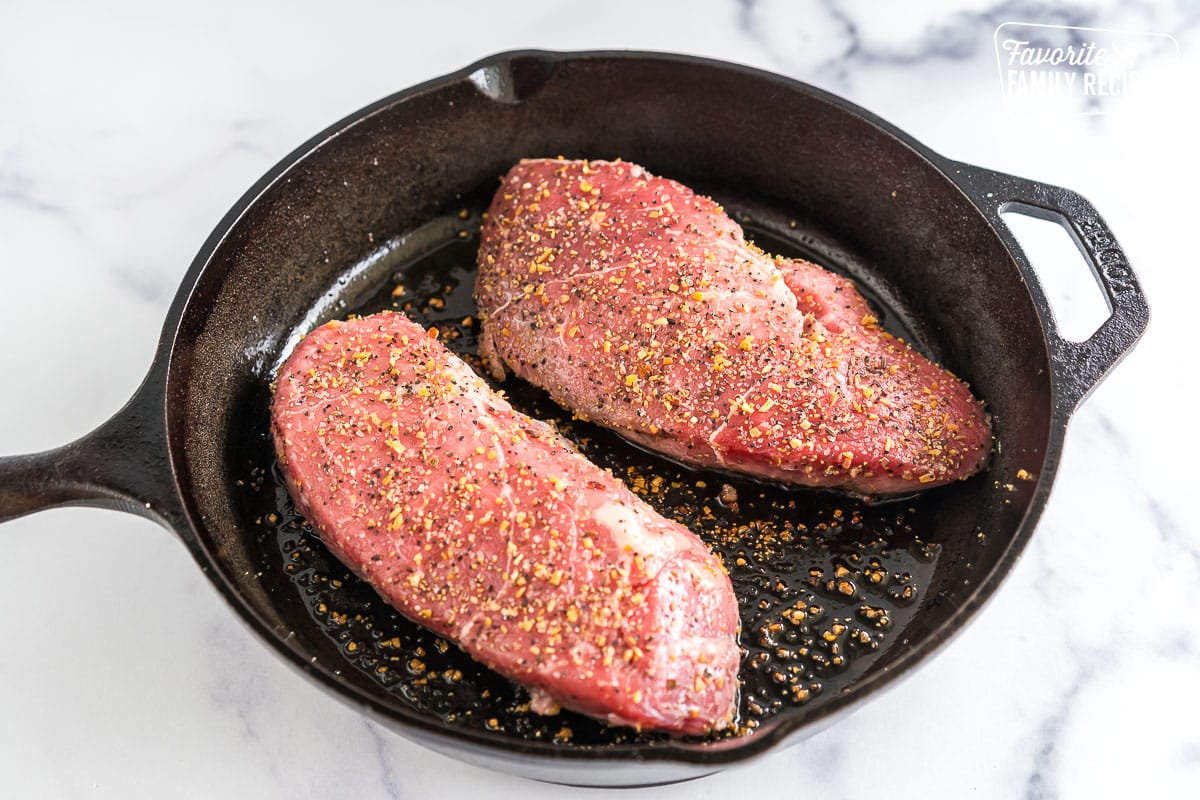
826	584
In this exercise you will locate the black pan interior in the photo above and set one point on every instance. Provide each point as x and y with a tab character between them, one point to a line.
834	591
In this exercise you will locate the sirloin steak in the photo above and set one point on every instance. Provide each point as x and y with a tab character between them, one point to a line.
489	528
639	304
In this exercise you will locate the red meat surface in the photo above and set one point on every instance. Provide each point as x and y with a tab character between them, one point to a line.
489	528
639	304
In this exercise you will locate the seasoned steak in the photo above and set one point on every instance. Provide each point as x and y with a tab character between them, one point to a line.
640	305
489	528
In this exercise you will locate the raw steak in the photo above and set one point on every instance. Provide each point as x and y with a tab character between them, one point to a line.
638	304
490	529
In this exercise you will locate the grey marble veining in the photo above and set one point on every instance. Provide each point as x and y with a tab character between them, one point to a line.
127	130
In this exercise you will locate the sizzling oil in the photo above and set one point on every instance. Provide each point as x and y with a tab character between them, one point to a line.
825	583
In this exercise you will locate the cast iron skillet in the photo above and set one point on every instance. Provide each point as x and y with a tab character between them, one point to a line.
839	597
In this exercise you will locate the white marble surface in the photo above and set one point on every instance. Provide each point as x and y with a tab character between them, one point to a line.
127	129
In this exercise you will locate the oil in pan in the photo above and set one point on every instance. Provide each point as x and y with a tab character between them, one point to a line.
825	583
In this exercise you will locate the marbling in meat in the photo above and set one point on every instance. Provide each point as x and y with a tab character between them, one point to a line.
489	528
639	304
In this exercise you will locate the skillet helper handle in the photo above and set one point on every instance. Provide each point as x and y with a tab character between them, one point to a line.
123	465
1079	366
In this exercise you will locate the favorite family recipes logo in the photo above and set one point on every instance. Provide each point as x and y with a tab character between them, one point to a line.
1079	70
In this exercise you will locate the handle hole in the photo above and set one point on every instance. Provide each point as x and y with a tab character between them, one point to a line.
1071	287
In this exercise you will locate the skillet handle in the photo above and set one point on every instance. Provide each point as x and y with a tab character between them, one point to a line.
1078	366
123	465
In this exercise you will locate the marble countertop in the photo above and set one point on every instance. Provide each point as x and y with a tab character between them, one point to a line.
128	128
